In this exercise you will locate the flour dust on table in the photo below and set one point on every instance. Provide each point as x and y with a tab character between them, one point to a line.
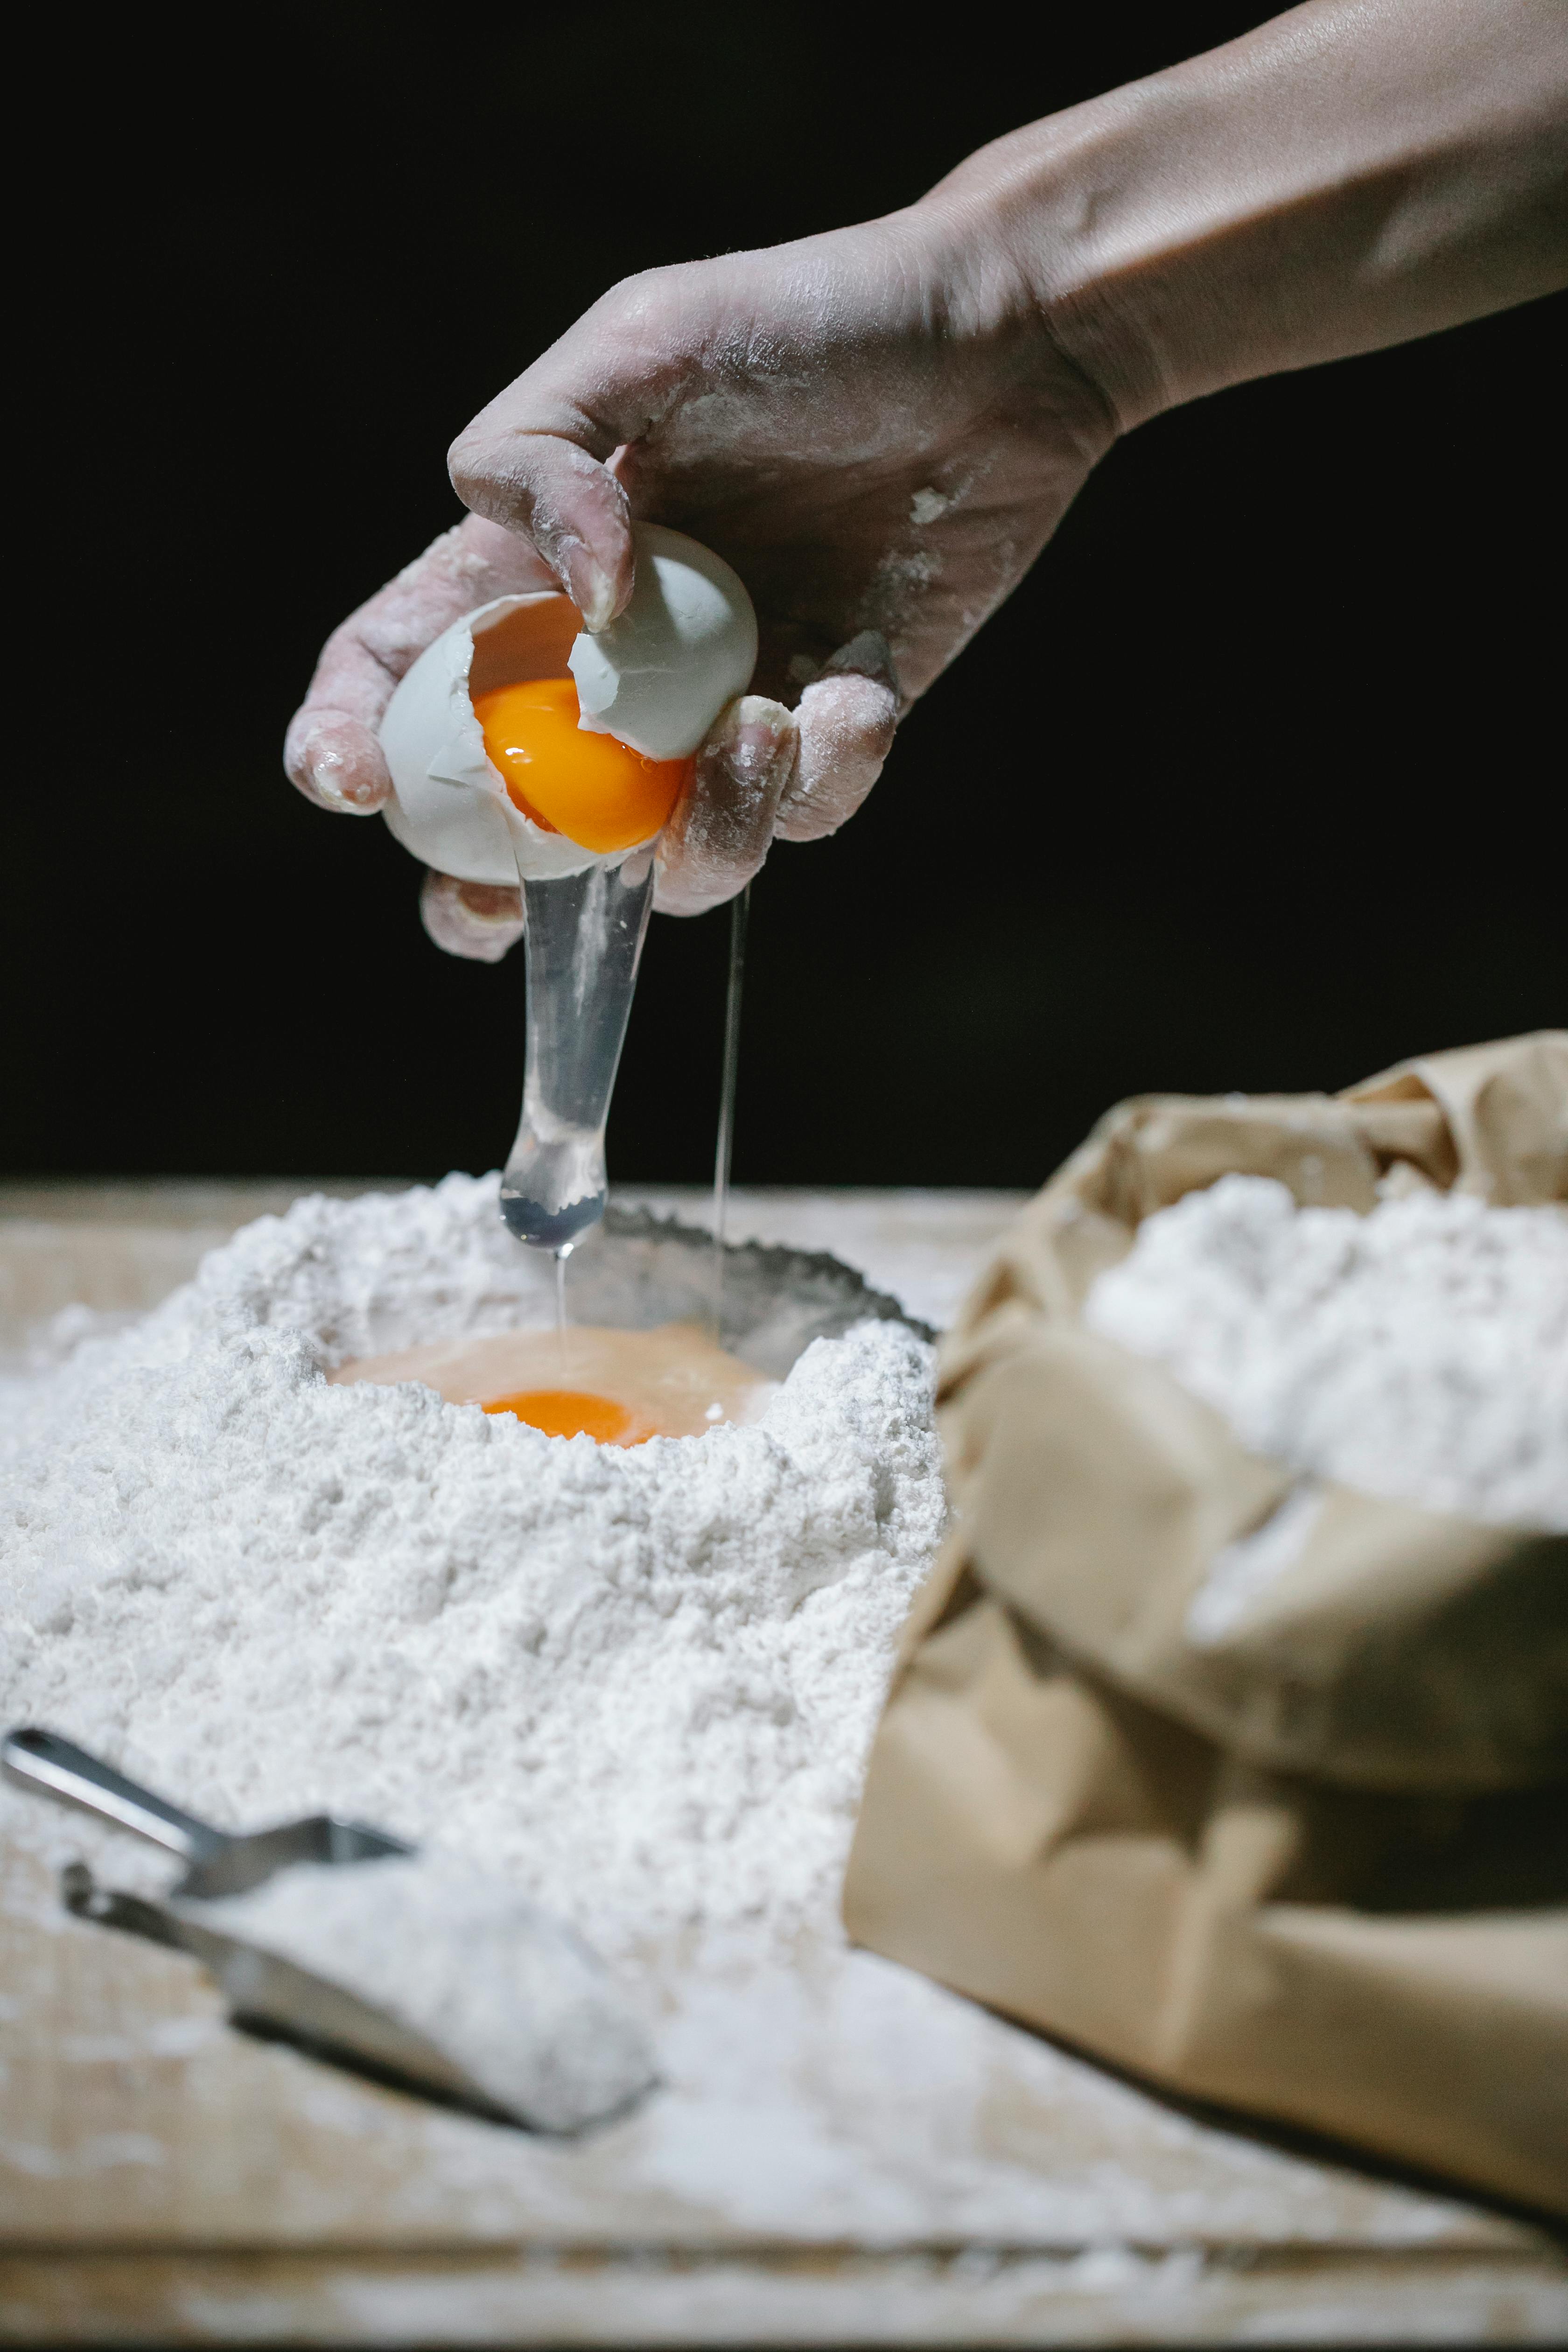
640	1682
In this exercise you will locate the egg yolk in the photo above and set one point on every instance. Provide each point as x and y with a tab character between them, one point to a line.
576	1413
617	1387
595	790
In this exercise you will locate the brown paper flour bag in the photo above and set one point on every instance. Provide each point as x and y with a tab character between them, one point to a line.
1309	1857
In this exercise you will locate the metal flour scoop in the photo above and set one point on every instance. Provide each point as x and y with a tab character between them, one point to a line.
402	1961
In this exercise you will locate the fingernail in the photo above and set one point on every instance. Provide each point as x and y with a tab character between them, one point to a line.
592	590
478	921
491	902
869	654
323	773
758	738
335	781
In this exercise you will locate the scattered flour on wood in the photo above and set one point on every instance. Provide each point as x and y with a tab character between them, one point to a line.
644	1691
640	1683
493	1997
1419	1352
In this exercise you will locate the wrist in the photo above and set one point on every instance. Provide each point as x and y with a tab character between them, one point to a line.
975	243
1029	213
1325	185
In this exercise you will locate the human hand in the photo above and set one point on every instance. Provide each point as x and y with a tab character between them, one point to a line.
872	426
880	428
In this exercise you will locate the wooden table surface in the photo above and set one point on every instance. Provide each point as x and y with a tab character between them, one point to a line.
166	2179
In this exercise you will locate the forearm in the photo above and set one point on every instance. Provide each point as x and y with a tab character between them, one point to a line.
1350	174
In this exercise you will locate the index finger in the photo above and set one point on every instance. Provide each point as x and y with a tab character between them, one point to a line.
540	456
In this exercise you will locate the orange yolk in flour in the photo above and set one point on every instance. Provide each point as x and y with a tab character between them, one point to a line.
574	1413
619	1388
595	790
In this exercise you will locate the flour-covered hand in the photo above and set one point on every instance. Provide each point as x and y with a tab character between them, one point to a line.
880	427
873	427
876	429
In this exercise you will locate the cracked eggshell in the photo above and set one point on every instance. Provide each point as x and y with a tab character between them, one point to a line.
450	806
659	675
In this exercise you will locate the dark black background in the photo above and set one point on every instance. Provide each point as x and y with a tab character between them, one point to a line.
1255	783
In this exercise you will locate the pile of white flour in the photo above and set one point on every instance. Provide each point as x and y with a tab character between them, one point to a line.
1419	1352
641	1683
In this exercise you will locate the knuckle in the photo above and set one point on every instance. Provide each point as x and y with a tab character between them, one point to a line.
468	463
642	297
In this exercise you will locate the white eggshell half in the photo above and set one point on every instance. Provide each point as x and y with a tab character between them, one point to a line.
686	644
450	806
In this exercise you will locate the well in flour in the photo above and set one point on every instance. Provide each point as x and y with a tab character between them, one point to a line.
640	1682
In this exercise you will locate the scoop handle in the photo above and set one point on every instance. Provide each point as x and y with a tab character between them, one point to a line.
53	1767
